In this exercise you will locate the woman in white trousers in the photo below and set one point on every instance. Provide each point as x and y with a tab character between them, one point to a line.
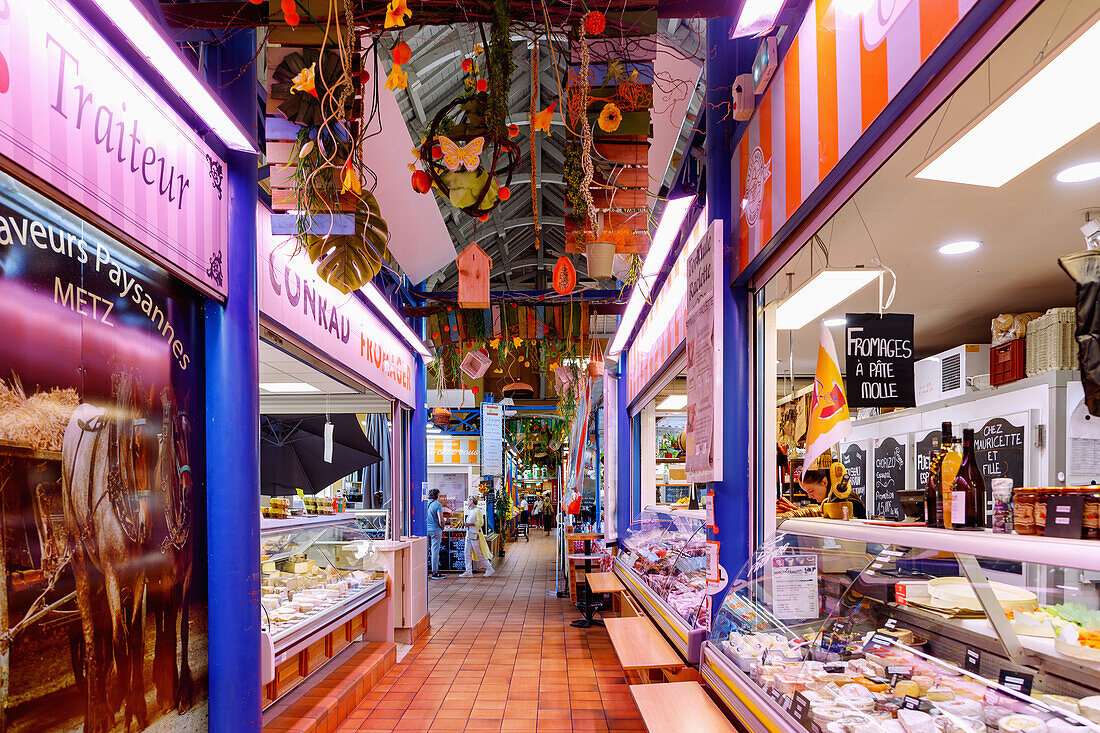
477	549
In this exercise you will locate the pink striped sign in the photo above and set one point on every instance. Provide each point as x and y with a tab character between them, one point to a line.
75	114
841	71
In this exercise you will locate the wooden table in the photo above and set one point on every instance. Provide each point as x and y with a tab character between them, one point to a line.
674	707
605	583
641	648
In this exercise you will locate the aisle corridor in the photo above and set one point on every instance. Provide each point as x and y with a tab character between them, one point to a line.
501	656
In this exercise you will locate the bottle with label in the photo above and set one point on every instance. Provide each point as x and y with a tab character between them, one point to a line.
933	509
949	469
968	500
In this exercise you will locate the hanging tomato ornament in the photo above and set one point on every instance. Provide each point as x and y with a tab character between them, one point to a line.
594	23
565	276
401	53
421	181
504	193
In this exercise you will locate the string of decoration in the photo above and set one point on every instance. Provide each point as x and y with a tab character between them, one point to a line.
586	128
531	137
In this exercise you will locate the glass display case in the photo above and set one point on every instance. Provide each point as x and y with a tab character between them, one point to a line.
315	572
663	561
375	522
847	627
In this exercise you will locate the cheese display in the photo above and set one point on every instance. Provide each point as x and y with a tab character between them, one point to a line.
310	571
667	550
863	655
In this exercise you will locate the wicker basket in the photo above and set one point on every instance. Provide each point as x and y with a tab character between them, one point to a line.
1051	344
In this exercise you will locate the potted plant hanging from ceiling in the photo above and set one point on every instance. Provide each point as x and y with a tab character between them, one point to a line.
468	153
339	222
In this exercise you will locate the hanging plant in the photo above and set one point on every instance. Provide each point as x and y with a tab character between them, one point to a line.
347	262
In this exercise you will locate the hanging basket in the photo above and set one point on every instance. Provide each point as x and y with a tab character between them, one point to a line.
441	416
601	255
595	360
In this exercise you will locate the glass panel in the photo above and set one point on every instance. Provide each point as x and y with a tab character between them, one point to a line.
667	550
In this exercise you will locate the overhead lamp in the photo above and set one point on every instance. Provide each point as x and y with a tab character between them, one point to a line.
667	229
673	403
1039	116
756	17
146	38
1080	173
288	387
820	293
959	248
385	308
835	322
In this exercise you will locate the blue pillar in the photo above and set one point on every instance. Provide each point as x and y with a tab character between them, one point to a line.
623	490
418	452
733	494
232	438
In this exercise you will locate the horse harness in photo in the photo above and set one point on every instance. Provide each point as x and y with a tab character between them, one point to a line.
177	506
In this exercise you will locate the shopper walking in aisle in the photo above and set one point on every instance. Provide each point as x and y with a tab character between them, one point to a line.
547	515
435	529
477	549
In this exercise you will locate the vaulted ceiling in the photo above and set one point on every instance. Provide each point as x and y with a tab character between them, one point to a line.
435	78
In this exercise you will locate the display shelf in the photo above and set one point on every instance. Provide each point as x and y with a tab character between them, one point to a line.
747	701
1024	548
687	640
293	639
307	521
697	515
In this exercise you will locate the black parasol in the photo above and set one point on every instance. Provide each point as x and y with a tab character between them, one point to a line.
292	452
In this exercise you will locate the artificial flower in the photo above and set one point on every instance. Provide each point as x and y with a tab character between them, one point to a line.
305	81
594	23
610	117
397	78
351	181
494	343
542	120
516	340
482	85
401	53
395	14
468	66
478	48
553	365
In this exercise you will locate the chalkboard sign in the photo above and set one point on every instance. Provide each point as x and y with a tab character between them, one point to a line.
879	365
889	478
923	458
999	448
854	459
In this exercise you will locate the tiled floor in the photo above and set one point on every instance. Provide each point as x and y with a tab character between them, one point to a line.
501	656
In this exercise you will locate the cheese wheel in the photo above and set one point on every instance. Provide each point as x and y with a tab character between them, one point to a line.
1021	724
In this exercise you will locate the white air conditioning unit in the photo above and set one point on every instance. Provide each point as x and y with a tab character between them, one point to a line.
944	375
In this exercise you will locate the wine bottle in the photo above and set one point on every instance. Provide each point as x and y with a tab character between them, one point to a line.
968	493
949	469
933	507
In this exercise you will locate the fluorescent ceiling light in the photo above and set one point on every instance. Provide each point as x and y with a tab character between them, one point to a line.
835	322
756	17
288	387
386	310
1079	173
1046	112
959	248
145	36
671	220
823	291
673	403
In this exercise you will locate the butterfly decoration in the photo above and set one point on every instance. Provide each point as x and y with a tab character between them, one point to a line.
467	156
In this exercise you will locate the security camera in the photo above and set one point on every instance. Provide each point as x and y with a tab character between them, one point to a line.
1091	230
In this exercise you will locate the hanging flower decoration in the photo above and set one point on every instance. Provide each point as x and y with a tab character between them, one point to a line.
594	23
401	53
350	180
541	120
397	78
306	81
610	117
396	12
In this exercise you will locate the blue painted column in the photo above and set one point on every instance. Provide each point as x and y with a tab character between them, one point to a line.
624	479
732	495
232	437
418	452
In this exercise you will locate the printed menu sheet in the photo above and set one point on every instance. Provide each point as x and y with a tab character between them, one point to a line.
794	587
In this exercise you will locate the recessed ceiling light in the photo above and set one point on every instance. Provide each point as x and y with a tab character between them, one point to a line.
673	402
1078	173
960	247
288	387
834	322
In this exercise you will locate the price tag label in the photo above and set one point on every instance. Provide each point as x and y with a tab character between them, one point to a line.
891	624
776	694
879	641
787	703
800	709
1018	681
972	661
911	703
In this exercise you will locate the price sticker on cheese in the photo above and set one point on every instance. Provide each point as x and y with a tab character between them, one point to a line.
1018	681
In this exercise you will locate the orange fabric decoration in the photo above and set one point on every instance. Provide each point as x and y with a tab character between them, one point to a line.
542	120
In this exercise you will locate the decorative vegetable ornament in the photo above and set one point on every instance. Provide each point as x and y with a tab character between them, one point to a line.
504	193
565	276
482	85
610	117
421	182
468	66
594	23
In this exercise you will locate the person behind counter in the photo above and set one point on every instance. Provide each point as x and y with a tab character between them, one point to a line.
826	483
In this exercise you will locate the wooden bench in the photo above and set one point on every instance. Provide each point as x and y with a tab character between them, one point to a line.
641	649
607	583
674	707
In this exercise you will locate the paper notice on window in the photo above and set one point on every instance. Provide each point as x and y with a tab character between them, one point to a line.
702	326
714	574
710	511
794	587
